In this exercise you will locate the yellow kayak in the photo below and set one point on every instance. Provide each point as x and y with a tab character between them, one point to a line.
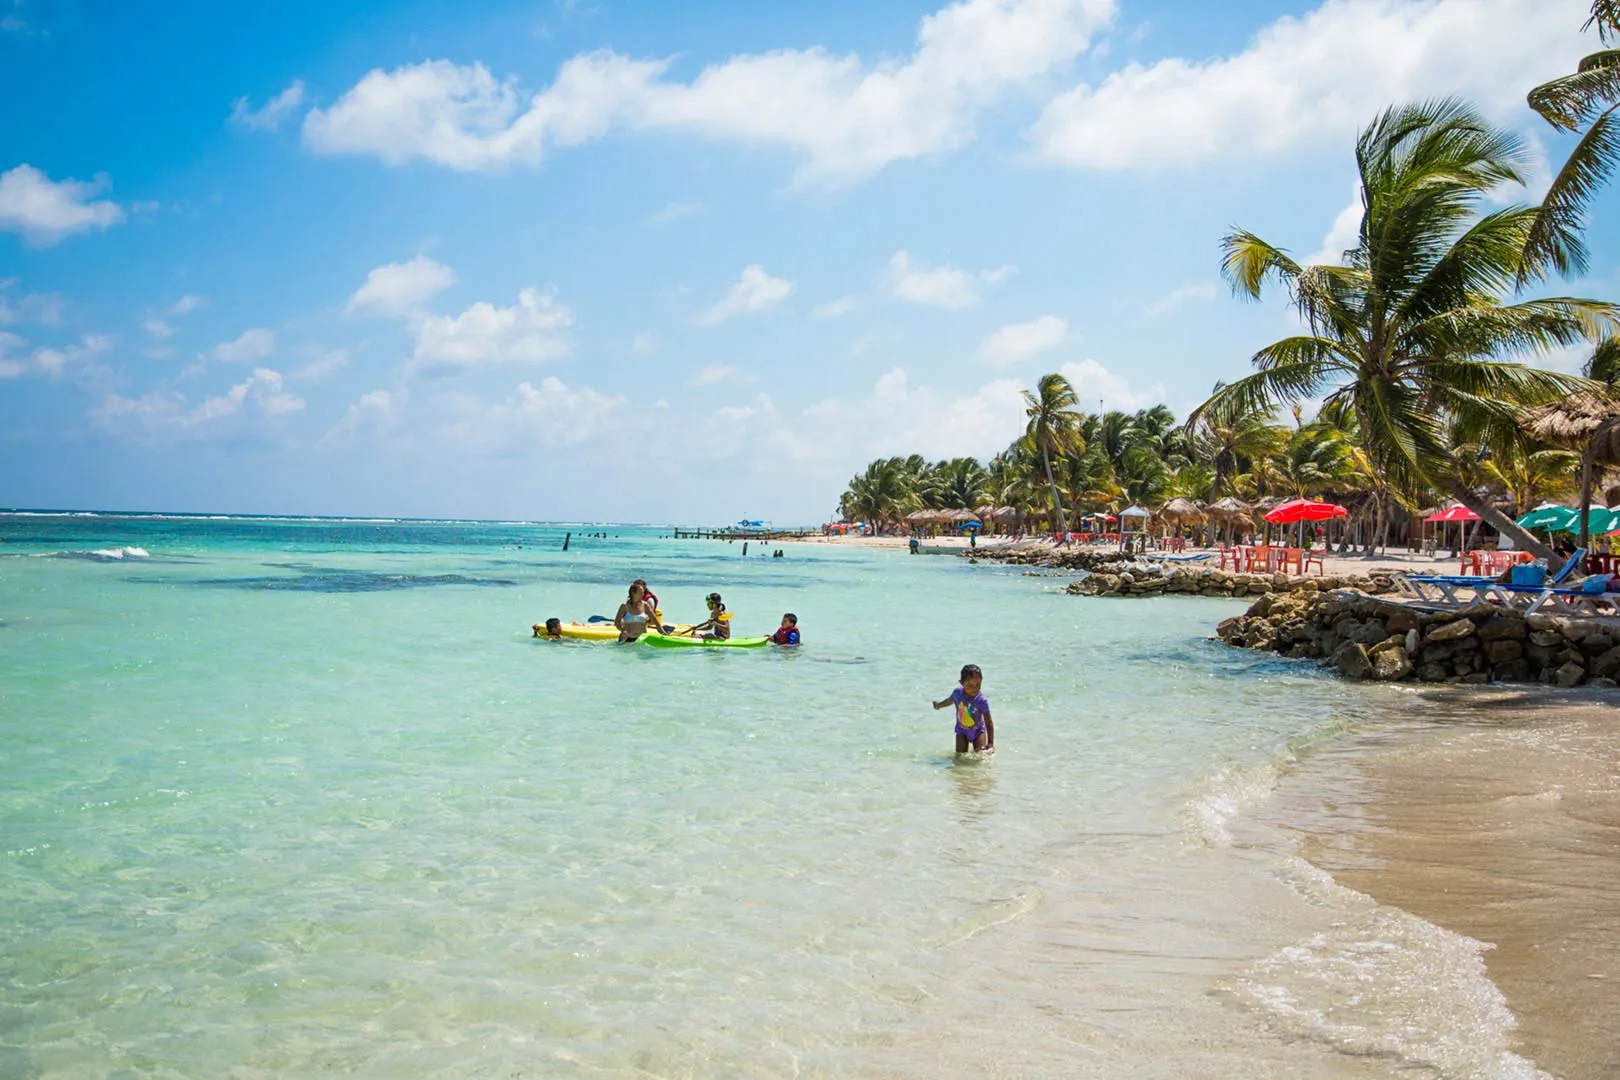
604	631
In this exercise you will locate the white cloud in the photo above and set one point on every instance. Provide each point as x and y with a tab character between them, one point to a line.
1344	233
1094	383
44	212
261	393
845	119
372	409
1180	296
273	112
713	373
675	211
53	360
186	304
898	418
549	415
322	363
754	291
832	309
997	275
398	288
942	287
41	309
1020	341
249	347
1313	79
533	330
158	328
643	344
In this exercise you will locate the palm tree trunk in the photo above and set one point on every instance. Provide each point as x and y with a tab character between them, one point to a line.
1499	521
1057	506
1586	496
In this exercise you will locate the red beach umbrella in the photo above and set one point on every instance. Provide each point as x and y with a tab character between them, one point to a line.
1304	510
1456	512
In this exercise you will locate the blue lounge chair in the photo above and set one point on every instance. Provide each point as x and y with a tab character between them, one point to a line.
1576	601
1419	586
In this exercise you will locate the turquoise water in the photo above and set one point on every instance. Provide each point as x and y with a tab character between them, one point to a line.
304	798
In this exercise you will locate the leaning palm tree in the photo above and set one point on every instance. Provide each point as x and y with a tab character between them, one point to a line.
1407	335
1054	427
1587	97
1229	438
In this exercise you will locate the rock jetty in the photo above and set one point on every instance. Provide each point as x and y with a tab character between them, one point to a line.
1364	637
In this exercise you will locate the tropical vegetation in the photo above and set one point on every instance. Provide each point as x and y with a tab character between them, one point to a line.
1409	360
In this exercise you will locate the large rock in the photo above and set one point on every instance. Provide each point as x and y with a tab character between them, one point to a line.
1352	661
1503	627
1400	619
1607	665
1370	632
1546	639
1503	650
1512	671
1391	664
1451	631
1570	674
1432	673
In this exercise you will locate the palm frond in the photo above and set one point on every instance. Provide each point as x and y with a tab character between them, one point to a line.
1604	363
1555	239
1264	391
1247	262
1569	101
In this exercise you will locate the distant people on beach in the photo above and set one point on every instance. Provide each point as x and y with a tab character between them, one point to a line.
638	612
913	545
788	632
974	727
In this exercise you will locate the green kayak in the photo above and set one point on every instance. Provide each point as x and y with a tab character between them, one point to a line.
667	641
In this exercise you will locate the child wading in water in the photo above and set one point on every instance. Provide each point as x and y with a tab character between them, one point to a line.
974	728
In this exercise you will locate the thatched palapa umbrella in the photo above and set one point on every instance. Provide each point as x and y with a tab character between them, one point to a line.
1229	511
1589	424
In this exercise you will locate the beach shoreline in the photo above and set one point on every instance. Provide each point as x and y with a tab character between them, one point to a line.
1491	812
1494	814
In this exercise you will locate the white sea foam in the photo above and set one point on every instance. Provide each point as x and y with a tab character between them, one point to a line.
1227	793
1384	983
108	554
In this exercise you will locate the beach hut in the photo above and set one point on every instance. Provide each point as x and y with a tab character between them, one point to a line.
1133	522
1178	512
1231	513
1586	423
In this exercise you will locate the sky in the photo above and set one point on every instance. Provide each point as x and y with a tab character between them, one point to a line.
632	261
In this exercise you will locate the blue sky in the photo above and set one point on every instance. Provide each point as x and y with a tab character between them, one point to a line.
642	261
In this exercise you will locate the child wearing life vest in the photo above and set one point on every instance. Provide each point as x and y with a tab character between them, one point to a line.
718	625
974	728
788	632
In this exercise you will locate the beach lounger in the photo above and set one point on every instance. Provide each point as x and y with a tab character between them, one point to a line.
1186	558
1531	598
1441	589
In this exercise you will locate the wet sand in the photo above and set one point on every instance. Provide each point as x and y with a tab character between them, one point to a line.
1496	817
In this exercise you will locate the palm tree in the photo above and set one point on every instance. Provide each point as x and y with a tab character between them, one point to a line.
883	493
1530	476
1407	334
1588	96
1054	427
1229	438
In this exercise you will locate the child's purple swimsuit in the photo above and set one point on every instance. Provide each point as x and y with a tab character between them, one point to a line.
970	714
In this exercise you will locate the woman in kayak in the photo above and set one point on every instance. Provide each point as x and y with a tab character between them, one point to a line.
637	614
719	622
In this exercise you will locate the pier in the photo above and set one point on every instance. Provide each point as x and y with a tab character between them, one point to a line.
744	534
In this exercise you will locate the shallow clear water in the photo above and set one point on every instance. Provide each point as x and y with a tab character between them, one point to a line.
286	798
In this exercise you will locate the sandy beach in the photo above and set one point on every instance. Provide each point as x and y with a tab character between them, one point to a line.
1494	814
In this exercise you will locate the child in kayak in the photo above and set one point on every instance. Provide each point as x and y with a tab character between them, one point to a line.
788	632
718	625
973	724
